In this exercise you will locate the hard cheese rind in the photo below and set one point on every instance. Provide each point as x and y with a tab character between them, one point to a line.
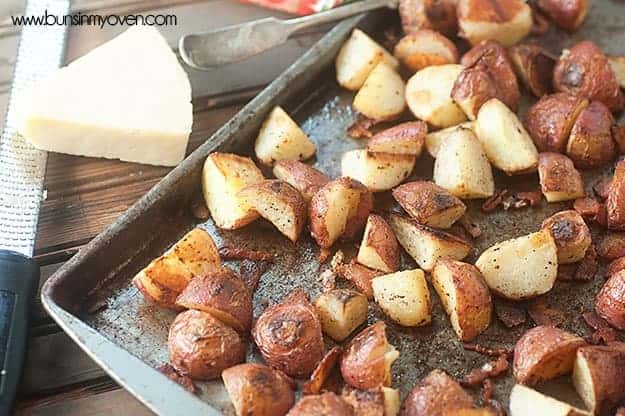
128	99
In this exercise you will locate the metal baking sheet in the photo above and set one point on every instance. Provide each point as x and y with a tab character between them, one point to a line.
93	299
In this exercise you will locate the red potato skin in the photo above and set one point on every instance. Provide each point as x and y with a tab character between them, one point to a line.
585	71
568	229
566	14
474	84
422	199
201	346
550	120
438	15
303	177
610	302
289	337
558	174
221	293
327	404
590	143
382	237
542	345
615	266
615	203
361	366
435	395
534	66
412	131
361	276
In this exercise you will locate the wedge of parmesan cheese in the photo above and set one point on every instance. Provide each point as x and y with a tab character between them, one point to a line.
128	99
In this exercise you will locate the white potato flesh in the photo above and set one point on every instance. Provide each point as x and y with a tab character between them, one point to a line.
357	58
377	171
280	138
392	401
428	94
522	267
223	176
404	297
507	144
382	95
462	167
341	201
434	140
341	311
525	401
507	32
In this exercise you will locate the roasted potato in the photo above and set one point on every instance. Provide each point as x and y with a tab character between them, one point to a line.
425	244
340	311
506	21
610	302
279	203
359	275
434	140
482	411
306	179
590	143
381	97
462	167
522	267
585	71
571	235
364	402
256	389
165	277
325	404
525	401
550	120
438	15
566	14
357	58
615	203
436	395
280	138
618	134
464	296
559	180
223	176
367	361
377	171
617	63
534	67
339	210
379	249
428	95
598	376
392	401
429	204
506	143
423	48
544	353
323	375
404	297
489	75
403	139
221	293
201	347
289	336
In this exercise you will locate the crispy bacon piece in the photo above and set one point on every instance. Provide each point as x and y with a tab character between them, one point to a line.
251	272
488	390
490	352
324	254
602	187
543	314
518	200
470	226
361	129
494	201
588	267
493	368
615	266
323	371
328	280
174	375
509	314
612	246
236	253
359	275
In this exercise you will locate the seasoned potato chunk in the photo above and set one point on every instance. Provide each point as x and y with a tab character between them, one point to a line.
223	176
590	143
534	67
438	15
522	267
279	203
526	401
426	245
429	204
425	48
559	180
403	139
506	143
434	139
428	95
379	249
321	404
404	297
340	312
377	171
357	58
306	179
381	97
462	167
280	138
615	204
571	235
610	302
506	21
566	14
544	353
465	297
436	395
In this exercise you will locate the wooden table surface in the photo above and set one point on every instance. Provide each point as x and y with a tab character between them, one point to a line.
84	195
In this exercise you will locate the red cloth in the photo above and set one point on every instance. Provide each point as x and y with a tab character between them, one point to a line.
300	7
